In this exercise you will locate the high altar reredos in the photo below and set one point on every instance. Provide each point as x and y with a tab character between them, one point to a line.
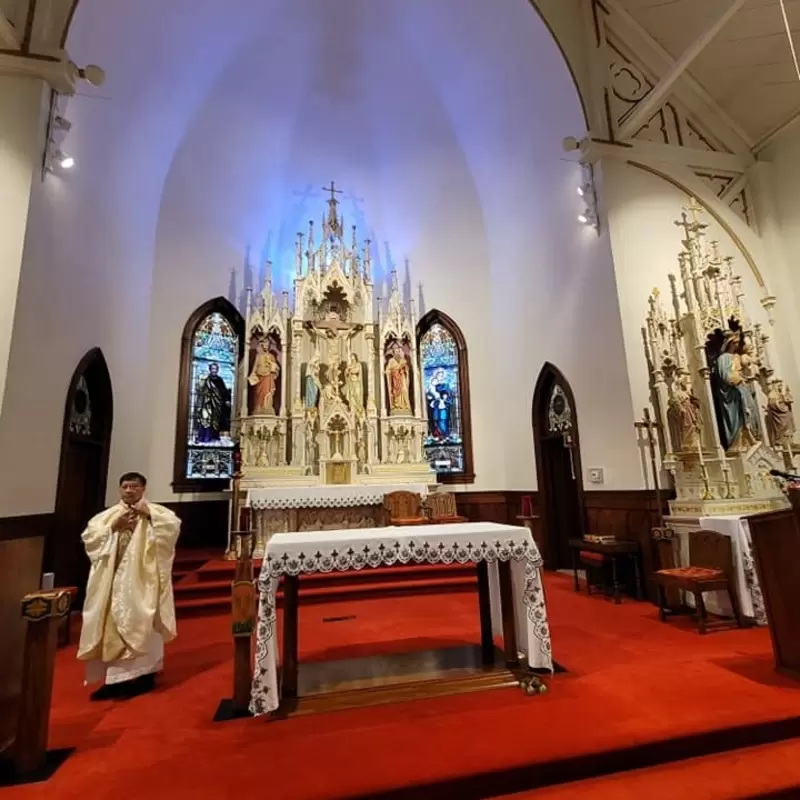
331	389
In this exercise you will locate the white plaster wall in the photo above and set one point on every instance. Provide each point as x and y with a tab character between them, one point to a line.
22	102
460	170
451	137
645	242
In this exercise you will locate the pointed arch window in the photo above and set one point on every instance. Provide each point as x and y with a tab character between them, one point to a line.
445	388
211	349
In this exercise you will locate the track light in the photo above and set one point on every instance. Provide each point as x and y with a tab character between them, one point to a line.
64	161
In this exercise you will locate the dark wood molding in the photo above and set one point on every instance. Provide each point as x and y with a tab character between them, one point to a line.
180	483
433	317
549	376
28	526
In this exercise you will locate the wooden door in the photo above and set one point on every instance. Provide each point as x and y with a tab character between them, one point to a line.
558	466
83	470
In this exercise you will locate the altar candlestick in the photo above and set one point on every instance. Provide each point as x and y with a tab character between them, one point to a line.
244	518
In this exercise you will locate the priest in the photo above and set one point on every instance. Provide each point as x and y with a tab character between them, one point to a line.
129	611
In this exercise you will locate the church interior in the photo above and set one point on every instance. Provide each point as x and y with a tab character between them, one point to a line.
399	395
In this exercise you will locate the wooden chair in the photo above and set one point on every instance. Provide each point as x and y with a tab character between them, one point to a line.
442	508
710	569
404	508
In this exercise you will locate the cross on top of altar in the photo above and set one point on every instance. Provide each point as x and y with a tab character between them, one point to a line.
333	190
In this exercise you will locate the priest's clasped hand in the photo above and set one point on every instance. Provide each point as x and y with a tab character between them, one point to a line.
125	521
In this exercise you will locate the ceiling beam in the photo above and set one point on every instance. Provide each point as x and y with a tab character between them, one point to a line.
688	157
688	90
734	189
642	112
8	35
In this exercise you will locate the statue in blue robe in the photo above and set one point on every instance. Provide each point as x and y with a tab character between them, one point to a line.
440	405
312	384
734	399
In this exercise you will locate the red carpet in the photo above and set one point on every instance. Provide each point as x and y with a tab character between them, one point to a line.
631	681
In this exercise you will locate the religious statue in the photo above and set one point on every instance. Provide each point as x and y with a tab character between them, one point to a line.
440	404
354	386
213	414
330	395
779	415
398	380
683	415
312	384
129	611
264	379
734	400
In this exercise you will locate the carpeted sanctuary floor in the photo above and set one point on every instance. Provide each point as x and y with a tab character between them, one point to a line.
632	682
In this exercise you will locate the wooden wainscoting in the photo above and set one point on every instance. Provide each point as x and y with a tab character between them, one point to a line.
626	514
630	515
204	524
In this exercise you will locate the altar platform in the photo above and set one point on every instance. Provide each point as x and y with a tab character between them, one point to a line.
636	699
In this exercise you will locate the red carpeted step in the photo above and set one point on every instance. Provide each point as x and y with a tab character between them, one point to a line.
747	773
199	597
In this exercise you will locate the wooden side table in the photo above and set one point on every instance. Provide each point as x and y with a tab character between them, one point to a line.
612	551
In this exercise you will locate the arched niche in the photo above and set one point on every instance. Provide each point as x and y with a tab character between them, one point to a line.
558	465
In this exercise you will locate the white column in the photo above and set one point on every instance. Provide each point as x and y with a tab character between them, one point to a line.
24	103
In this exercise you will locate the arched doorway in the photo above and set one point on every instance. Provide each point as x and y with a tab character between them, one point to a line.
83	469
558	466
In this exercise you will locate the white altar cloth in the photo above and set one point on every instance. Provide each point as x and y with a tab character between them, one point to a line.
746	578
326	496
326	551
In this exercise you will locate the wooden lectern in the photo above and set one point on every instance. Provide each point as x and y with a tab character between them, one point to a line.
776	547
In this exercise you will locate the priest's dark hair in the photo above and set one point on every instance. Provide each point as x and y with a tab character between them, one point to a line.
133	476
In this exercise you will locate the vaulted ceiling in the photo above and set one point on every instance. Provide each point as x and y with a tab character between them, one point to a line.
746	66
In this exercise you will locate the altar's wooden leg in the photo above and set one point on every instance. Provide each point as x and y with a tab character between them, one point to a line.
290	603
43	612
507	610
485	610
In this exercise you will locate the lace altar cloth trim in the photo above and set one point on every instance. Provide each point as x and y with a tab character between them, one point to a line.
328	551
326	496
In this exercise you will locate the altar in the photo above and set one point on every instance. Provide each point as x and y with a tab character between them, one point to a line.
511	594
725	414
318	508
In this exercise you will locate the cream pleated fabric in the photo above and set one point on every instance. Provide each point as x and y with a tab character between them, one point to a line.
129	603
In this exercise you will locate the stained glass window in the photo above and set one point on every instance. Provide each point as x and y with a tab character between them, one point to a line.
441	380
214	359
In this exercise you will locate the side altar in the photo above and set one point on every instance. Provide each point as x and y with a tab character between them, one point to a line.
725	414
331	393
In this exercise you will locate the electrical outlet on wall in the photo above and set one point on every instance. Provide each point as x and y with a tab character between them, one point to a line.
595	475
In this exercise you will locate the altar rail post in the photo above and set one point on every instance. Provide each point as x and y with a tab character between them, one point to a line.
43	611
243	607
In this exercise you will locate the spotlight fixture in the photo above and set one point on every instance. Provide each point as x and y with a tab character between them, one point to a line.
64	161
588	194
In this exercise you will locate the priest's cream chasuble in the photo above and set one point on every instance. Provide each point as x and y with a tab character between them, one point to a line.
129	610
